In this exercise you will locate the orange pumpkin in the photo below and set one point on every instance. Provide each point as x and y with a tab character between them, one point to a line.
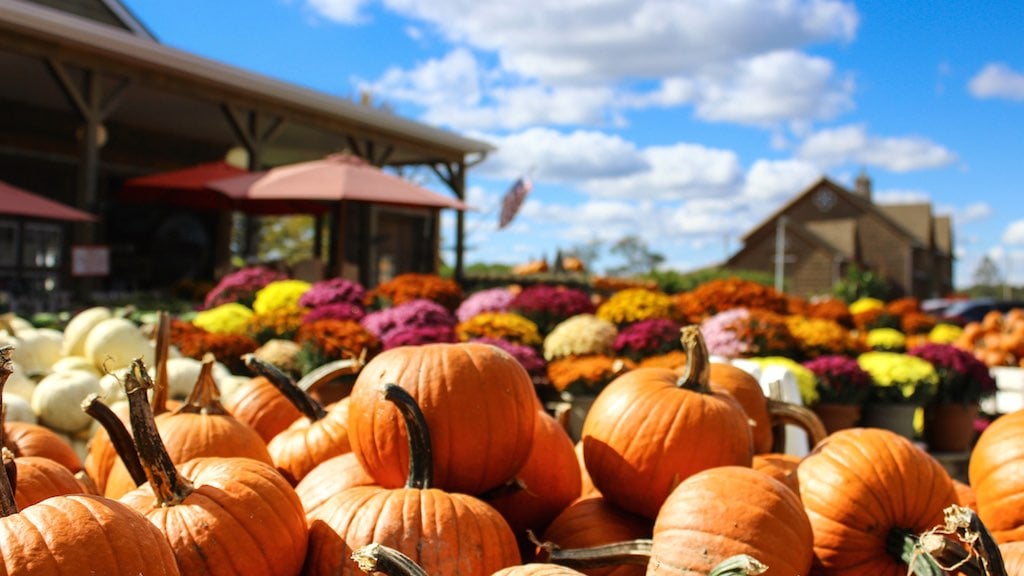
479	403
1013	557
445	533
330	477
722	512
25	439
782	467
650	429
593	521
39	479
747	391
965	494
994	472
262	406
864	488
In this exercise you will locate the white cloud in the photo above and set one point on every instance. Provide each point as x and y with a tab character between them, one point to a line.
997	81
560	157
853	144
673	173
342	11
778	180
1014	233
583	41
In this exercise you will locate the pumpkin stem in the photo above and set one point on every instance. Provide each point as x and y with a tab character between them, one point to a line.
163	343
119	435
7	505
905	546
205	396
10	469
169	487
739	565
964	544
783	413
299	398
697	372
636	552
327	372
380	558
421	458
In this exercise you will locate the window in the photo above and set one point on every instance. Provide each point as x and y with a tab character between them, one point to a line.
8	243
41	246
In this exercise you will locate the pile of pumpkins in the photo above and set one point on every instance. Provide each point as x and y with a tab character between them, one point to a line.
444	455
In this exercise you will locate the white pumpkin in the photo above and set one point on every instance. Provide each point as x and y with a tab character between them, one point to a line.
18	409
37	349
57	400
182	374
115	342
74	363
17	323
229	385
18	384
78	329
112	386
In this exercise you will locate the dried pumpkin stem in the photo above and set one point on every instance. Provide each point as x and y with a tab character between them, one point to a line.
299	398
169	487
421	458
205	396
378	558
697	372
163	344
7	504
330	371
948	552
119	435
628	552
788	413
739	565
905	547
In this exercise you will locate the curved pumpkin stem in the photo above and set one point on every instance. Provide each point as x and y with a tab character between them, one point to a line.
421	457
637	552
327	372
169	487
788	413
380	558
299	398
697	372
739	565
119	435
7	504
163	344
10	469
964	544
205	396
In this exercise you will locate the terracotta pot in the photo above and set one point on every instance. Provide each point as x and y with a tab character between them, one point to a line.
949	427
898	418
837	416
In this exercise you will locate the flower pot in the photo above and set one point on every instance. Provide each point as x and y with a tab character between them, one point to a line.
898	418
949	427
837	416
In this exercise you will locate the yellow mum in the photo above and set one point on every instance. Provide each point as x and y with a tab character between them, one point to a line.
865	304
635	304
279	295
230	318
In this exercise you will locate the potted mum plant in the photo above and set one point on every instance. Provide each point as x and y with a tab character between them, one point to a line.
902	385
963	381
843	387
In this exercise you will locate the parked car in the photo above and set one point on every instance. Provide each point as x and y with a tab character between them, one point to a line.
965	311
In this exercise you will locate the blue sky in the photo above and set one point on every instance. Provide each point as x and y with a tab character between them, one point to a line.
683	122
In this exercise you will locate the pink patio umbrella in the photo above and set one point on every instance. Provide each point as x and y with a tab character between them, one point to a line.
336	177
17	202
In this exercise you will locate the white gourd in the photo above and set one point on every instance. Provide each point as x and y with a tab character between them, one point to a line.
57	400
18	384
18	409
37	350
78	329
115	342
75	363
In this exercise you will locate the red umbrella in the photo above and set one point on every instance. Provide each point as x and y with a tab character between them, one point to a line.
336	177
18	202
189	187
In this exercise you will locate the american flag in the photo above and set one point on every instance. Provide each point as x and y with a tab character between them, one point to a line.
513	199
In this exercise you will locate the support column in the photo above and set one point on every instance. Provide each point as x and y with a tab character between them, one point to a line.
454	175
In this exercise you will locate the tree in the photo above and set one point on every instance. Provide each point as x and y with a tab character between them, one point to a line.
286	238
638	258
862	283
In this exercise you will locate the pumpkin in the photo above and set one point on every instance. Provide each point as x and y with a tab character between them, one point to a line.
183	373
729	510
17	409
747	391
994	472
75	363
780	466
259	403
76	534
593	521
330	477
25	439
650	429
58	399
113	343
865	488
19	384
221	515
1013	557
446	533
547	483
37	349
587	487
112	443
200	427
316	436
479	403
36	479
965	494
538	570
78	328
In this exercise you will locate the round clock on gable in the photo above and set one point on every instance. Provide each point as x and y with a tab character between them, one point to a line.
824	199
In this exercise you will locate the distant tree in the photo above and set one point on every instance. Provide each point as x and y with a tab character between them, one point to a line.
638	258
674	282
862	283
588	253
287	239
987	273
